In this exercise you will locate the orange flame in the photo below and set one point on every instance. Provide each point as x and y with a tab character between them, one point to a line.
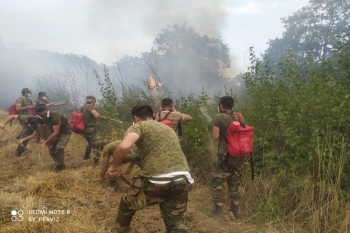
152	83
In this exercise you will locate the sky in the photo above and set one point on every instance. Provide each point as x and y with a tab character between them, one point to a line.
105	30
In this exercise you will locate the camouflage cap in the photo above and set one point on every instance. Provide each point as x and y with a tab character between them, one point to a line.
24	90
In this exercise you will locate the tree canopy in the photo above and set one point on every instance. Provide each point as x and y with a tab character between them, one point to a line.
311	31
182	60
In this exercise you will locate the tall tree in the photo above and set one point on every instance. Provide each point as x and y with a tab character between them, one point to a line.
311	30
182	60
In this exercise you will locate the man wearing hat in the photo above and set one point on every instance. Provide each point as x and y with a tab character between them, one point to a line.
90	116
60	134
42	99
226	168
23	103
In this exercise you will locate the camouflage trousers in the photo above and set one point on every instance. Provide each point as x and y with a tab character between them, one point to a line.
56	148
88	150
26	131
171	197
91	136
227	169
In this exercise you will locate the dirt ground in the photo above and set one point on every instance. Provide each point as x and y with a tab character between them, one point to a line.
27	183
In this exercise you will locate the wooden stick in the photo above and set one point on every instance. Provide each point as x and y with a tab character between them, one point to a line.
15	139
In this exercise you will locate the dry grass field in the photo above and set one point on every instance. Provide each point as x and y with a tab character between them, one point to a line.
27	183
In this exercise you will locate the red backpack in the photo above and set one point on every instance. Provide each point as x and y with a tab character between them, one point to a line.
239	138
13	110
165	121
77	123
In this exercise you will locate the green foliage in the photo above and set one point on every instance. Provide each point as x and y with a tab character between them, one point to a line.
196	139
301	130
107	104
311	31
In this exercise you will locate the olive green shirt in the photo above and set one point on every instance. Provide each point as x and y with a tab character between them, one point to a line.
159	148
132	156
88	119
56	119
25	102
174	117
223	121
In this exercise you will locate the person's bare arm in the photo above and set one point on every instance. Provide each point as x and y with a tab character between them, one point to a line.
95	114
56	131
120	153
98	115
19	107
188	118
58	103
215	134
33	135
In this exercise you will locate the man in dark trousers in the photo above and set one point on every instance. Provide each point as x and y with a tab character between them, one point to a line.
23	106
165	179
226	168
90	116
30	124
59	137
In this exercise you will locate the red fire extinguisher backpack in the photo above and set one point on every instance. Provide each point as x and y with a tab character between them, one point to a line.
13	110
239	138
165	121
77	123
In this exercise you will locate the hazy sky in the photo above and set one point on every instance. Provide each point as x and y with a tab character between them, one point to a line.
107	29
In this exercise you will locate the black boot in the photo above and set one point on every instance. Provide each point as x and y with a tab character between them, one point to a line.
218	212
95	162
235	211
59	168
87	155
114	184
88	150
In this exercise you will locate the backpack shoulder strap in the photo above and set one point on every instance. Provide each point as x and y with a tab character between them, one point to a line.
239	116
164	116
159	119
230	116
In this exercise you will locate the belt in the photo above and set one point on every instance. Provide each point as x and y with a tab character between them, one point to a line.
164	178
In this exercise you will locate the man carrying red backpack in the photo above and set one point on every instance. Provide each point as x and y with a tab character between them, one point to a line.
90	116
169	116
226	168
23	106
